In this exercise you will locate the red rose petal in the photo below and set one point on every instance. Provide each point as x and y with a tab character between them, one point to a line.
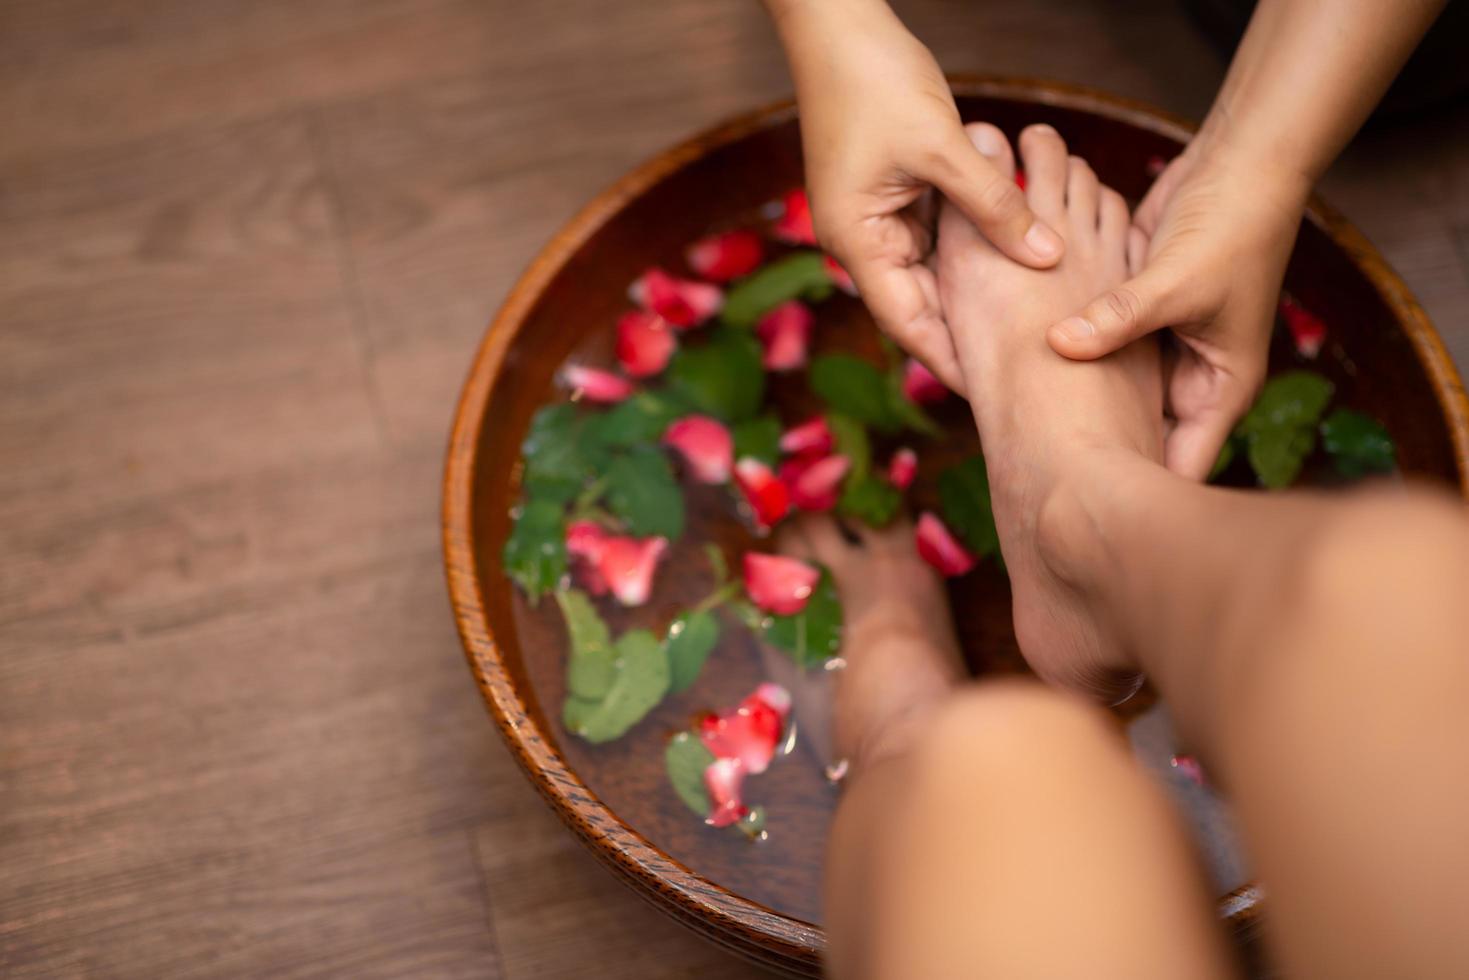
902	468
811	436
627	564
750	734
768	499
785	333
815	481
584	543
645	342
794	226
1306	328
920	385
682	302
705	445
779	584
594	384
725	256
723	778
938	546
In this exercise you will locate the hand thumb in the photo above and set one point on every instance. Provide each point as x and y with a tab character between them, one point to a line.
988	196
1150	301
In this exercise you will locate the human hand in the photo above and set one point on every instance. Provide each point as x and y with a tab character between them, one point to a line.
1207	252
880	129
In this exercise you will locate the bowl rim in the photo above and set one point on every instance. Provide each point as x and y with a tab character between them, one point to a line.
745	926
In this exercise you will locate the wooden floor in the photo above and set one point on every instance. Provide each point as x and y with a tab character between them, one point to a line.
246	250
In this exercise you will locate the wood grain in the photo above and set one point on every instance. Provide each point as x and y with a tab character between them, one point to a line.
246	252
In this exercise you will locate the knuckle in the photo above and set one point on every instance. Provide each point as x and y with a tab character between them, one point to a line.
1000	199
1123	305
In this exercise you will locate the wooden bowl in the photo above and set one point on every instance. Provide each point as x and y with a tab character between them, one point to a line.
1383	355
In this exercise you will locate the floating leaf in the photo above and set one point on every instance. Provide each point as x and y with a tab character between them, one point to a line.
690	639
854	388
801	275
758	437
1277	454
640	419
1280	429
721	377
717	563
535	553
964	498
640	682
686	758
1358	444
559	458
814	634
591	663
1291	399
643	493
850	440
872	500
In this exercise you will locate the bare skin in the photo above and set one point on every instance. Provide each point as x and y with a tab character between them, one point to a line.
1210	241
1310	648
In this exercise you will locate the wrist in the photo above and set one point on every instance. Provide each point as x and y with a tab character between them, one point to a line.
1263	160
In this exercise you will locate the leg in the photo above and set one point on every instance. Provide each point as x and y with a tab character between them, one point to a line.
1313	649
990	830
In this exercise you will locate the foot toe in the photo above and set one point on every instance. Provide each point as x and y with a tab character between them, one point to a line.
992	144
1083	195
1044	153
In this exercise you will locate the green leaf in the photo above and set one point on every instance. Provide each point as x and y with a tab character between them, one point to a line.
1226	456
643	494
535	553
799	275
640	419
851	441
686	758
964	498
853	387
640	682
717	563
1358	444
591	664
1294	398
758	437
690	639
721	377
558	456
814	634
1280	428
906	411
871	499
1277	454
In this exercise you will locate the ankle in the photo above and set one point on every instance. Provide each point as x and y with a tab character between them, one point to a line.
1068	534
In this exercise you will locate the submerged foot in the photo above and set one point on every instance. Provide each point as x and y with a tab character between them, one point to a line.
1040	415
899	655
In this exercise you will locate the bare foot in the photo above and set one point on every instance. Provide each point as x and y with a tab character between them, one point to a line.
1039	415
898	647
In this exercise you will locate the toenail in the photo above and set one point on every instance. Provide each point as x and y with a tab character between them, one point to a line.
1044	128
1044	242
989	142
1076	328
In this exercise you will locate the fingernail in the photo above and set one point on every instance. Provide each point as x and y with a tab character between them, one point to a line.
1075	328
1044	242
988	142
